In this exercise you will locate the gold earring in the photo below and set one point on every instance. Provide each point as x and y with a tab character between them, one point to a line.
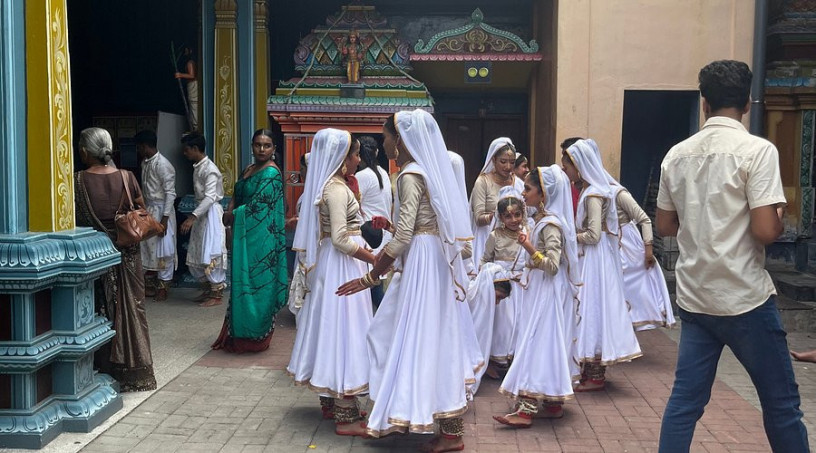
396	152
344	169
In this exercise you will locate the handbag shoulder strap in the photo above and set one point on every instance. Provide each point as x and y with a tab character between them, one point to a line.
127	191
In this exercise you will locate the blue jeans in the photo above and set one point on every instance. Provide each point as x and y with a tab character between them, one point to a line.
757	339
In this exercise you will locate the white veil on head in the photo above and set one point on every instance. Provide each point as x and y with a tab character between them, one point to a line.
556	185
616	186
423	139
587	159
495	146
459	170
329	149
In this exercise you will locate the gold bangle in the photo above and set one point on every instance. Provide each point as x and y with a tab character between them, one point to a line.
367	280
537	258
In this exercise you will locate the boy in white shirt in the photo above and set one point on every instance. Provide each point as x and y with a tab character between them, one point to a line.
721	195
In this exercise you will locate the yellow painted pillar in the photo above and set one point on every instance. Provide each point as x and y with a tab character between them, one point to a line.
48	87
261	64
226	147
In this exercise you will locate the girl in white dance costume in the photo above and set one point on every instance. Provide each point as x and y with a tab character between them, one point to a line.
330	355
604	334
496	324
541	372
643	282
416	341
497	172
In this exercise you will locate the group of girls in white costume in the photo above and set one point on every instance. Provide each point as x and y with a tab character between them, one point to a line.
422	356
330	354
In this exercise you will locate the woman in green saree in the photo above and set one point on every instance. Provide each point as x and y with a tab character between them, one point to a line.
258	268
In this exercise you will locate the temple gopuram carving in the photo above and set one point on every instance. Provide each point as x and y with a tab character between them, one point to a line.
322	96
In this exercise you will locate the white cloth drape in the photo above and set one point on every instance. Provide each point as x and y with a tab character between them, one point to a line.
422	137
329	149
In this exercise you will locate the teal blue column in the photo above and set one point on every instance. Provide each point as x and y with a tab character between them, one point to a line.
208	70
45	278
246	78
13	175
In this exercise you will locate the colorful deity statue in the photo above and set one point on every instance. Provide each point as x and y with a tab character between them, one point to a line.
353	51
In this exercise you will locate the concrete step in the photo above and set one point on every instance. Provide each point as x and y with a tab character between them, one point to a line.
798	286
796	316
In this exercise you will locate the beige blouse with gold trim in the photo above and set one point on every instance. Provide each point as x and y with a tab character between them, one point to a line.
628	210
550	243
416	215
338	215
484	198
502	245
590	232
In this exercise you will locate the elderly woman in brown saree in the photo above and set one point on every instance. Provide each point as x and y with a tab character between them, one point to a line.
99	192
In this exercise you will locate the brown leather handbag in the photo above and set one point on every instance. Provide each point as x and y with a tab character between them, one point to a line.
134	225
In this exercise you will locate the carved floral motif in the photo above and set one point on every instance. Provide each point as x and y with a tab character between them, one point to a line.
61	131
474	38
226	124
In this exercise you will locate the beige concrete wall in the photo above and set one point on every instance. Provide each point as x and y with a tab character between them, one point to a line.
605	47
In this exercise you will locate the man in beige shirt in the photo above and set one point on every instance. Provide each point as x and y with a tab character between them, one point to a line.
721	195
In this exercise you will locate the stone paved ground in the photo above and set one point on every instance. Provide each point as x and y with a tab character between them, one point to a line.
245	403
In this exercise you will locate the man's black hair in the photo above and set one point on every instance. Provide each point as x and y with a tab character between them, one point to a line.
194	139
569	142
145	137
725	83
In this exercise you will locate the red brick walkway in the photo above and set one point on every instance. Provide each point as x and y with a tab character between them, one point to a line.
624	418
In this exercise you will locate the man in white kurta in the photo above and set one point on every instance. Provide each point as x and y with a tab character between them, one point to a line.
206	250
159	257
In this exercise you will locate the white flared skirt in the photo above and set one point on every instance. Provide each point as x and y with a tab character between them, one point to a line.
475	365
645	289
480	234
416	346
495	324
604	331
330	355
541	366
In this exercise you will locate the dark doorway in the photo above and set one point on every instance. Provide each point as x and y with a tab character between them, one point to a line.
653	122
470	121
470	136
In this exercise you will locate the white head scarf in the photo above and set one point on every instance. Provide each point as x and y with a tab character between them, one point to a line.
495	146
555	183
459	170
616	186
421	135
587	159
329	149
